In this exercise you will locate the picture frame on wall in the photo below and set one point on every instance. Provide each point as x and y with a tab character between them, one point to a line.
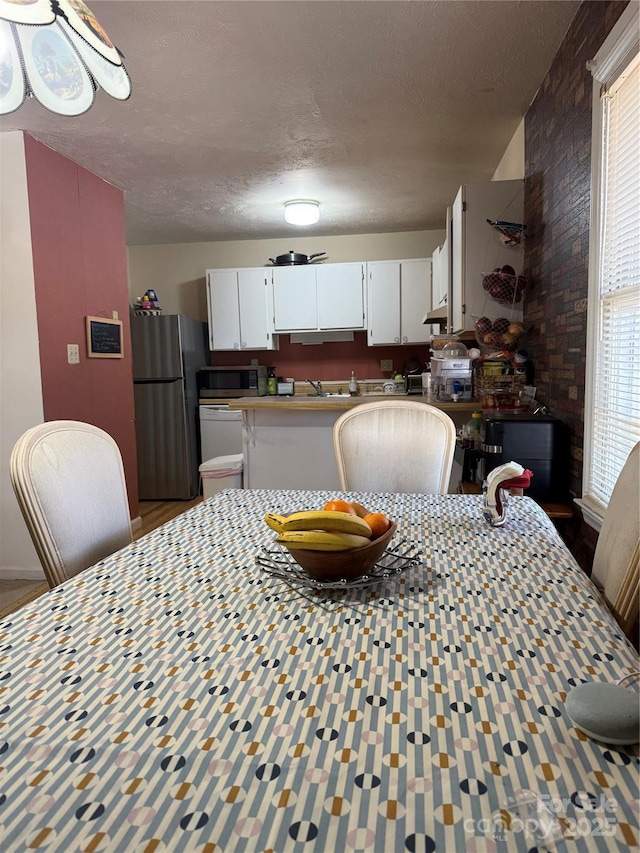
104	338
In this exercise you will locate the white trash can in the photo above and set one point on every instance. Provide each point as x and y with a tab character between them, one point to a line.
220	473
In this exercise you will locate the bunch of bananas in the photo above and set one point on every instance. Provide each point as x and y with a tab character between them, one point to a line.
320	530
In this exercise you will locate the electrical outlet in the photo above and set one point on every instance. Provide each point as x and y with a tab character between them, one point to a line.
73	354
386	364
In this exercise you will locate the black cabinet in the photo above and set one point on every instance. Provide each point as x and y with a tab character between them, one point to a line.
537	442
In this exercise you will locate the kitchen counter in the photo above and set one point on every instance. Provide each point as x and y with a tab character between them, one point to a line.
301	403
288	441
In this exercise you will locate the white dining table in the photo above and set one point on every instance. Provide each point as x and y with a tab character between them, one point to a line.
188	694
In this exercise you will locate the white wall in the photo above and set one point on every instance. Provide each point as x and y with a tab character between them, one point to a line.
177	272
511	167
20	380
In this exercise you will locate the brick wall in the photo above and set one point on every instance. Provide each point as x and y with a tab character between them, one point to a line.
557	200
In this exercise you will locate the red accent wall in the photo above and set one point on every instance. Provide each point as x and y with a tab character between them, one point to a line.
80	269
329	361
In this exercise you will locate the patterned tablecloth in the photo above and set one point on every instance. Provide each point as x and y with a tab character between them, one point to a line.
176	697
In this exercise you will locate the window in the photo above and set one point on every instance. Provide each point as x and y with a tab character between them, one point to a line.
612	394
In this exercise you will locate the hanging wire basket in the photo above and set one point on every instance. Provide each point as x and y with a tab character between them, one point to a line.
511	233
505	288
499	335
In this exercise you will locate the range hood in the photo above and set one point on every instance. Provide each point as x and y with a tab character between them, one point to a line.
437	315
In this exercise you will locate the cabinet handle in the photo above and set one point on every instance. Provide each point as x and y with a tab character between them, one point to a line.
236	345
405	339
396	340
243	345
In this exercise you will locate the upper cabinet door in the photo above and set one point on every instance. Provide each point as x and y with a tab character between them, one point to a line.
435	279
383	302
415	298
477	249
254	317
239	309
294	299
439	277
341	296
458	240
223	309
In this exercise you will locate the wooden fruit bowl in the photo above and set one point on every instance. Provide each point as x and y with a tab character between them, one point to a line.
348	565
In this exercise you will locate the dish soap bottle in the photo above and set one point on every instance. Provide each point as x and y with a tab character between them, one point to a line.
353	385
272	382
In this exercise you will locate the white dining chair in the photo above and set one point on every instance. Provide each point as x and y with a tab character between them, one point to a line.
394	446
69	481
616	562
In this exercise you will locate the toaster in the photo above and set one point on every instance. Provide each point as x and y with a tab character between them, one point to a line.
413	383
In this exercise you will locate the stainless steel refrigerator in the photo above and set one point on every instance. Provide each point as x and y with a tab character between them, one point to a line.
167	352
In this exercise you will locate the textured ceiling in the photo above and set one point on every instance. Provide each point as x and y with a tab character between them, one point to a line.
379	110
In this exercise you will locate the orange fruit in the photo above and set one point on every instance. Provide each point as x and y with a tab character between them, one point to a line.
378	522
339	506
360	510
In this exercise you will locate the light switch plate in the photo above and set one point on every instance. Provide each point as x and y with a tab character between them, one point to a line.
73	354
386	364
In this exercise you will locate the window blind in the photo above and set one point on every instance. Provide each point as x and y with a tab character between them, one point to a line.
615	426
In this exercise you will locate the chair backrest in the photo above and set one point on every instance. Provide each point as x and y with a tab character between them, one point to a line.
616	562
394	446
69	480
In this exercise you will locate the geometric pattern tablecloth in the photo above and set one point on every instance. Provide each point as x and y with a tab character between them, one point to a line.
175	697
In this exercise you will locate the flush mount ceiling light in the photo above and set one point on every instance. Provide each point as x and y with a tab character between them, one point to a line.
57	52
301	212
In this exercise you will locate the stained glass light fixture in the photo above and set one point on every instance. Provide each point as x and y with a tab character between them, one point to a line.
57	52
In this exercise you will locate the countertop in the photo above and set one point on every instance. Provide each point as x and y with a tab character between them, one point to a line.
316	404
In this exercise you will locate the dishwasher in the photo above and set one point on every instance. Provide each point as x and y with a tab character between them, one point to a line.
220	431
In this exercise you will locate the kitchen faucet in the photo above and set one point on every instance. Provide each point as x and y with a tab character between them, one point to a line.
317	386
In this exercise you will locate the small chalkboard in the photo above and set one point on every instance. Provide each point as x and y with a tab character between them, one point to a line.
104	338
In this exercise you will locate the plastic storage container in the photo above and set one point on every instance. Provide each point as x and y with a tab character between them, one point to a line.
451	376
426	385
220	473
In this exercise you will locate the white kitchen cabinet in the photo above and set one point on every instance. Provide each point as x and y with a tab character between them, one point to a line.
239	309
383	302
441	281
398	297
444	271
436	280
295	302
341	303
477	248
309	298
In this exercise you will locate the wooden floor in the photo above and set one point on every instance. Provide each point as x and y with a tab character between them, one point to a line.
15	593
